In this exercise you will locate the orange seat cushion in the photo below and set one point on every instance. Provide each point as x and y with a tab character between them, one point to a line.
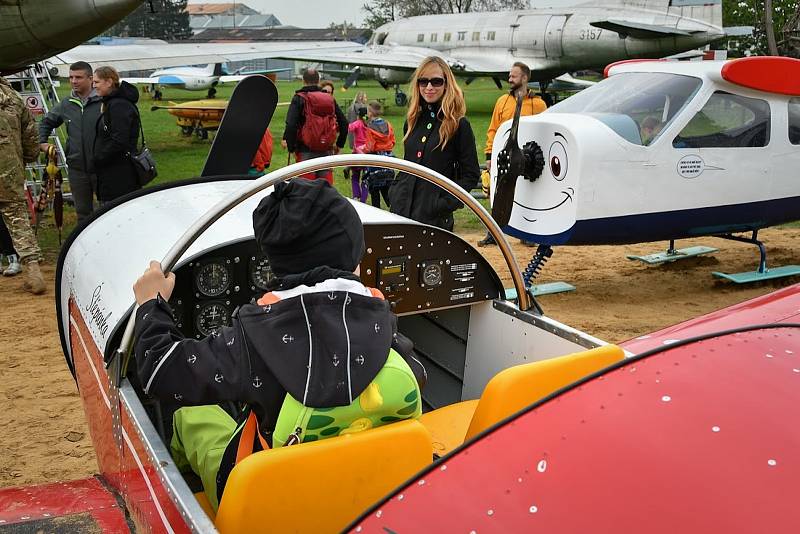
321	486
448	425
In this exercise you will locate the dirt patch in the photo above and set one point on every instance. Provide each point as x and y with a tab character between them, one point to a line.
44	437
43	433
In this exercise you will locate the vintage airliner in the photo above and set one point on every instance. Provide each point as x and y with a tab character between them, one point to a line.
659	150
552	41
528	424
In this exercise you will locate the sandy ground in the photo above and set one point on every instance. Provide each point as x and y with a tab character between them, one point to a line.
44	438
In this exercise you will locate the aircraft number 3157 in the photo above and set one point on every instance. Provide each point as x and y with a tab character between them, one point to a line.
591	34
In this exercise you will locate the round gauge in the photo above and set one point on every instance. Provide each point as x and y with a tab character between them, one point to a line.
212	279
260	272
432	274
211	317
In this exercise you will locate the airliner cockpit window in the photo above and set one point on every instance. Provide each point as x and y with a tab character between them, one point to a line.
636	105
794	121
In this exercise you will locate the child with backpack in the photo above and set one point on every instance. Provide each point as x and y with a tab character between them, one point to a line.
379	140
358	129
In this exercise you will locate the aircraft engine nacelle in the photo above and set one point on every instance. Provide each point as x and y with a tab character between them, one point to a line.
575	149
392	76
37	30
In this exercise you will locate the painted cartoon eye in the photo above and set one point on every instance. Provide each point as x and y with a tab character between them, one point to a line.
558	161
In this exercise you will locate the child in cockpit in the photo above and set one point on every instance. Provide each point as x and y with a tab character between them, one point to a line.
319	340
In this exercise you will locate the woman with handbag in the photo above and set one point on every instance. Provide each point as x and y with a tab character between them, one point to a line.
438	136
117	135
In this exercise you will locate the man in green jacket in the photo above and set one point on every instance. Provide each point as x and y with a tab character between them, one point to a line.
80	113
18	147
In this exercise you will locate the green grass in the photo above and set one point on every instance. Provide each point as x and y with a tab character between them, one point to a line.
181	157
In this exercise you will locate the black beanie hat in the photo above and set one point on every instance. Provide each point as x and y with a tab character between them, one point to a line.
305	224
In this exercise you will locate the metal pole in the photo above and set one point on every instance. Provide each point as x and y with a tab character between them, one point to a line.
328	162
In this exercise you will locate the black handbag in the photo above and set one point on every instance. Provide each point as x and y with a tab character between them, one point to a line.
143	160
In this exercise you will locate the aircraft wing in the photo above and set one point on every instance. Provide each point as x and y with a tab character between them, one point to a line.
640	30
153	56
167	79
380	56
239	77
567	82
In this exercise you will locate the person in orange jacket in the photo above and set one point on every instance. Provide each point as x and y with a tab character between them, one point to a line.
504	109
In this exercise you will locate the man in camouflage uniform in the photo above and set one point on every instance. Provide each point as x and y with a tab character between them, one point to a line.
18	145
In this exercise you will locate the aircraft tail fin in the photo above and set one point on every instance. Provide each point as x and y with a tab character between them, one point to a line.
709	11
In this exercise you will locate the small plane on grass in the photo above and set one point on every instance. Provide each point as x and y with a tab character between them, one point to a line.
198	116
529	424
659	150
194	78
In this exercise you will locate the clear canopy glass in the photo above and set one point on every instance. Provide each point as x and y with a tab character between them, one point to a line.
636	105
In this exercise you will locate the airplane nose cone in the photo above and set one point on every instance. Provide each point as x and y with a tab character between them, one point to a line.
34	30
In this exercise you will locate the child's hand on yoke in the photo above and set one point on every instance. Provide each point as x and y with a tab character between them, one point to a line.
153	282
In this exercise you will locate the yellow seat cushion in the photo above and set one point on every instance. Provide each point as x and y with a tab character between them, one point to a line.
448	425
510	391
321	486
515	388
204	503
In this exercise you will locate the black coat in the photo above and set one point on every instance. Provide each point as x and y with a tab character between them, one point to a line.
262	356
295	119
421	200
117	133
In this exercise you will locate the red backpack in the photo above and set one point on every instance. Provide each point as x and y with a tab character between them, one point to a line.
319	130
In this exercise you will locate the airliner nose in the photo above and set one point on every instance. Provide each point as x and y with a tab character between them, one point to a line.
32	31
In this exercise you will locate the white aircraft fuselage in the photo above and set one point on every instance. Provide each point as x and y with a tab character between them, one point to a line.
191	78
551	41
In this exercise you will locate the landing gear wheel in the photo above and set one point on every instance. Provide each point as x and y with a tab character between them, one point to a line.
157	95
187	130
400	98
202	133
212	92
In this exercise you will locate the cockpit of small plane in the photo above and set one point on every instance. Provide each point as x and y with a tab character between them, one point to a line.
430	278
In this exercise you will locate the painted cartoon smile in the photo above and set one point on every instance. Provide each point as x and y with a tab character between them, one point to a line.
568	194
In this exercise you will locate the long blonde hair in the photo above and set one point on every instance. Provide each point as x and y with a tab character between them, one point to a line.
453	107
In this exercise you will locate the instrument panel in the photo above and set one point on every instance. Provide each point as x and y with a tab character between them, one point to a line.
417	268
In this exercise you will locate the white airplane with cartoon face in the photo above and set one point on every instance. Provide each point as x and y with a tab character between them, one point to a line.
660	150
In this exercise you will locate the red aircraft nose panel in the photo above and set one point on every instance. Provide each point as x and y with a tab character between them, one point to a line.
700	438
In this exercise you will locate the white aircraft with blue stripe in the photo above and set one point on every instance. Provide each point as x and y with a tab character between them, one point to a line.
659	150
193	78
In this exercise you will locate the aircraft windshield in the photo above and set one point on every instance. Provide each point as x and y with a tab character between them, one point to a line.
636	105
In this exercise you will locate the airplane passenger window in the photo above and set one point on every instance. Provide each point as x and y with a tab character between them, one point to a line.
462	36
794	121
447	36
434	37
476	36
727	121
420	37
637	106
490	36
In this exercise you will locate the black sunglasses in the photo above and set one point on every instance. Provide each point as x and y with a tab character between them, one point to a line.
436	82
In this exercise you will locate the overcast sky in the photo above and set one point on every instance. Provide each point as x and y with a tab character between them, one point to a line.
309	13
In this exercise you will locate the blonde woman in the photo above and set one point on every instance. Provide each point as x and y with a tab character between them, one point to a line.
117	133
437	135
